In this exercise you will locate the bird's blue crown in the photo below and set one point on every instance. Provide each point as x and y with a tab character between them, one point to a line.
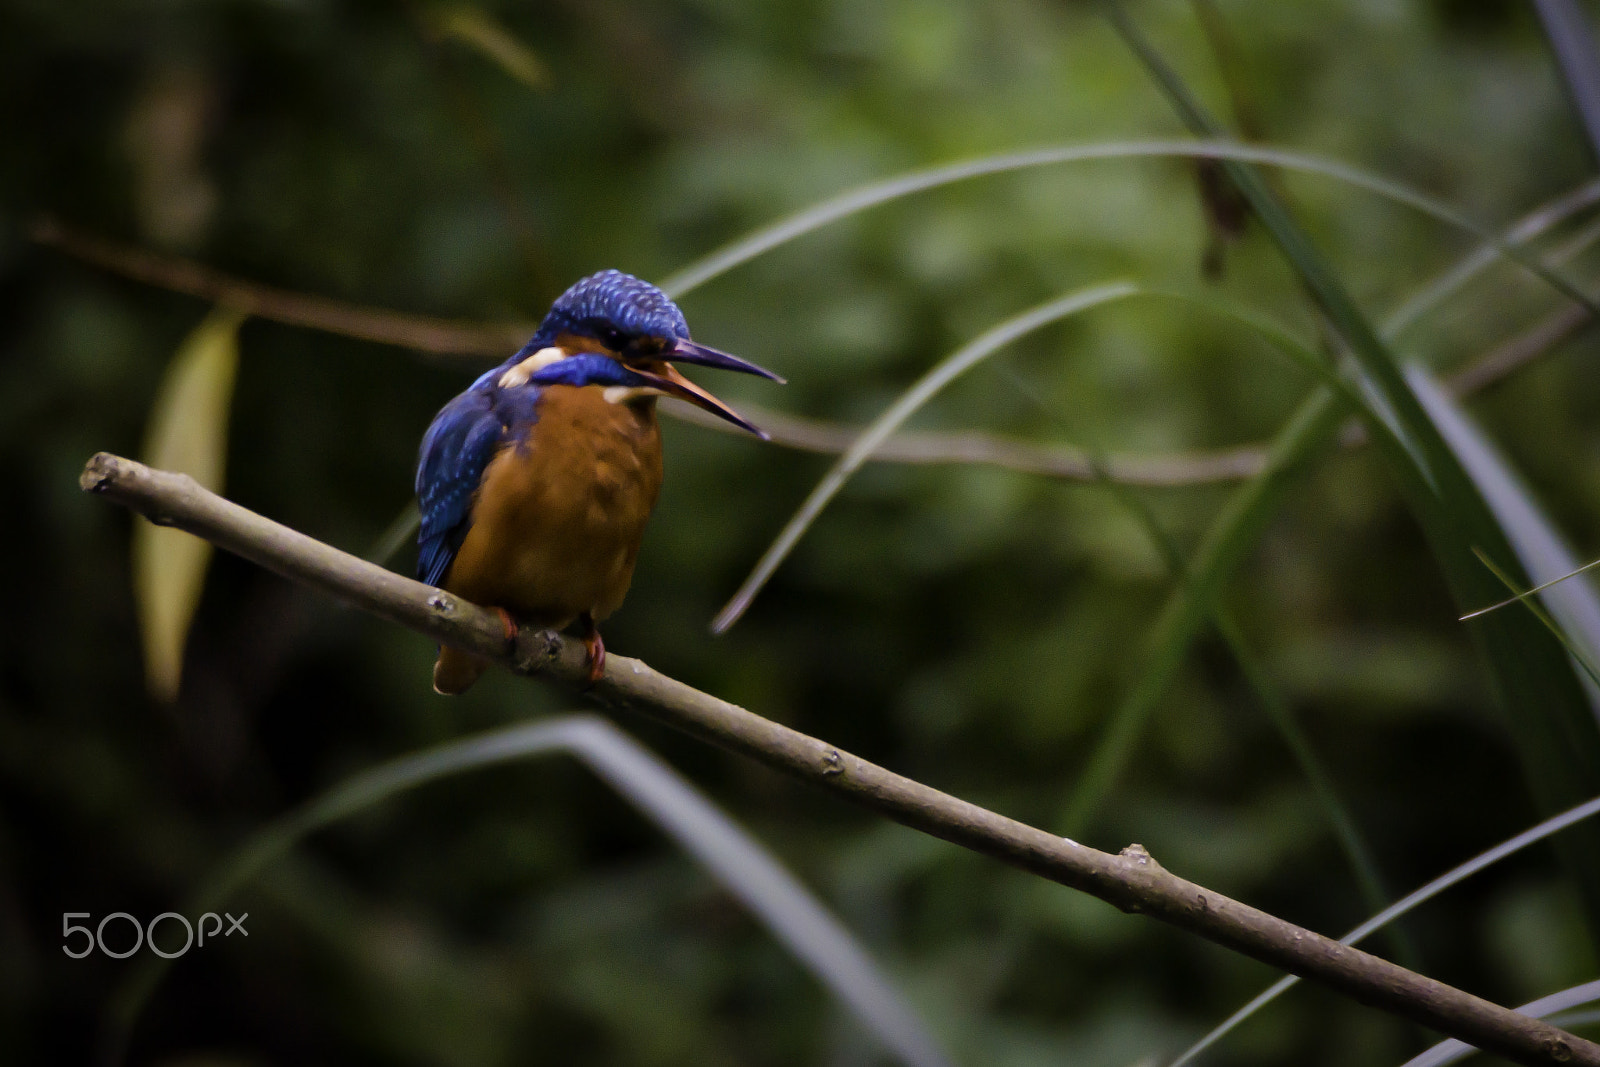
610	306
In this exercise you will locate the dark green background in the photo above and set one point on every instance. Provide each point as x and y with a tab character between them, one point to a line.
970	627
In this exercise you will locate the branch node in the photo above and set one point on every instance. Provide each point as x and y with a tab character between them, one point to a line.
535	651
832	763
98	473
1139	856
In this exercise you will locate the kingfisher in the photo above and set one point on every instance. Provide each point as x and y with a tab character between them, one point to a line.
536	482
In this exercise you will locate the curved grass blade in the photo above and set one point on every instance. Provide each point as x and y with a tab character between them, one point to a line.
1452	1050
1543	704
1230	153
1572	41
879	430
1526	593
1351	841
738	861
1540	548
1544	618
1451	281
1524	230
481	31
1510	847
1235	529
1230	537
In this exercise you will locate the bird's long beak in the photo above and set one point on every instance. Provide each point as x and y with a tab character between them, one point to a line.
687	351
665	377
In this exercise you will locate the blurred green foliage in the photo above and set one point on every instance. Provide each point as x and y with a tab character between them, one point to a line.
971	627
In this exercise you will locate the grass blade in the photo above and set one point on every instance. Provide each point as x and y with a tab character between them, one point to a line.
882	192
734	858
879	430
1230	537
1510	847
1544	707
1351	841
1540	548
1237	526
488	36
1452	1050
1525	229
1538	612
1572	40
1526	593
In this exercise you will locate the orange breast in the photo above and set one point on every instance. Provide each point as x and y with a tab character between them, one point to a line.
559	517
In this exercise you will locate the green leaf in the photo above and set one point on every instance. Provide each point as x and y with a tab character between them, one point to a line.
488	36
188	432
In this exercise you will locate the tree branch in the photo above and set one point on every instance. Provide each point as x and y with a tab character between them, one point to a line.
422	333
469	340
1054	461
1132	881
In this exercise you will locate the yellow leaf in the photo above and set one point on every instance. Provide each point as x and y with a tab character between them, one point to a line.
481	31
188	432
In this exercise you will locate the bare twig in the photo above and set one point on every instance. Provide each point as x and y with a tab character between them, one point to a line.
468	340
419	332
1131	880
1525	347
1056	461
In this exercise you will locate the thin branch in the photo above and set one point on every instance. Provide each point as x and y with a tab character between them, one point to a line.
1055	461
468	340
1132	880
419	332
1524	348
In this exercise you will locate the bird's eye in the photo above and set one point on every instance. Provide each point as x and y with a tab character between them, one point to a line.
612	338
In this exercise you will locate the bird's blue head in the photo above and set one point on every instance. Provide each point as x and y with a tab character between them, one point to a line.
613	308
635	329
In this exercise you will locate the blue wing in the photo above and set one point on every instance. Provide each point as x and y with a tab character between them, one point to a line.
457	447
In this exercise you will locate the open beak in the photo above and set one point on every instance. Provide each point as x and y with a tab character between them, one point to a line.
687	351
665	377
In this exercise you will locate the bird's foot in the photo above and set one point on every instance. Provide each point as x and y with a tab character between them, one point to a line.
595	647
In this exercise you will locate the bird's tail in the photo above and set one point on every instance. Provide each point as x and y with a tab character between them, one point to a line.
455	671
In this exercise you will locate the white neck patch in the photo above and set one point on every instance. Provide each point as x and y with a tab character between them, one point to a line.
623	394
518	374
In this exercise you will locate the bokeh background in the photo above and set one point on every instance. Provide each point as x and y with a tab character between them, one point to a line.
968	625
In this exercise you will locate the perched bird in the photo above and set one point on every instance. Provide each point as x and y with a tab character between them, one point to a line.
535	483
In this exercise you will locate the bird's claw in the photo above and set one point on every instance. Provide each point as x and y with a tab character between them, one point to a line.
510	625
596	649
